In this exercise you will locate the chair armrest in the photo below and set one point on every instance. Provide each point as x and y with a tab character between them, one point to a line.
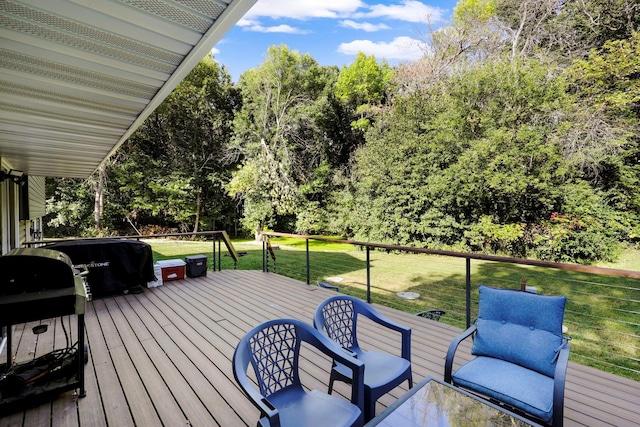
241	360
269	411
350	352
357	385
262	403
558	385
452	351
403	330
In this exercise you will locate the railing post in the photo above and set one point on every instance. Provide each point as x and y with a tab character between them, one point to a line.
265	260
468	291
220	259
308	264
368	277
214	253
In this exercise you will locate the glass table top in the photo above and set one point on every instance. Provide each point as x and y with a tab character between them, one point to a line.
439	404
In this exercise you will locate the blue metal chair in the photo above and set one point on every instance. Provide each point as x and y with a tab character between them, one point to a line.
521	354
273	349
337	317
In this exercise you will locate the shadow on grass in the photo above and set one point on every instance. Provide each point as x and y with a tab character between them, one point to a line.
291	263
326	266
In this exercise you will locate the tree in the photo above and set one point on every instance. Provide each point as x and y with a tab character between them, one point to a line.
281	135
565	30
595	22
610	76
605	147
68	208
474	11
98	210
365	81
172	169
473	38
363	86
534	27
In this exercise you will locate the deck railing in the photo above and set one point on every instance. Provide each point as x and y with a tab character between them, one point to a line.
218	237
602	314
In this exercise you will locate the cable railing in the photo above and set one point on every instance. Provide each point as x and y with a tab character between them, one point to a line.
602	313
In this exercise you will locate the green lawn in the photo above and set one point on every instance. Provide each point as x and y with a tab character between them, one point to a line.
601	315
629	260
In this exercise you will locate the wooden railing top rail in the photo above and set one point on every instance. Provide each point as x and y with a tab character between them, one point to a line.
548	264
229	245
223	234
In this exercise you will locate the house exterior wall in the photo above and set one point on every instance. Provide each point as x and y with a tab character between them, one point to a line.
21	211
32	208
9	216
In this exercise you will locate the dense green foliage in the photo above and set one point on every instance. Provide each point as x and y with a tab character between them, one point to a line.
284	143
518	134
480	162
170	176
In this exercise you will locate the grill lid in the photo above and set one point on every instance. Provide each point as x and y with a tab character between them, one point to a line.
27	270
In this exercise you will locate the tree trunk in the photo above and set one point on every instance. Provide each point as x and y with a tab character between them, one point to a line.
196	225
98	209
258	231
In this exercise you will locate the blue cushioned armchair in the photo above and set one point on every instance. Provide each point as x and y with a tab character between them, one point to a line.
338	317
273	349
521	354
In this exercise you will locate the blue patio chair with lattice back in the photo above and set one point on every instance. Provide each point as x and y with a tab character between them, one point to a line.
521	354
273	350
338	318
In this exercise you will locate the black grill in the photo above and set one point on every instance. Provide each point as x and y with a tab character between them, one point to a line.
37	284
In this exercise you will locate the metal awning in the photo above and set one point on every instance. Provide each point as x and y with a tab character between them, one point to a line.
77	77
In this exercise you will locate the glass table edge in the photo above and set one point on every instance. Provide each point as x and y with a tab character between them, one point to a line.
380	417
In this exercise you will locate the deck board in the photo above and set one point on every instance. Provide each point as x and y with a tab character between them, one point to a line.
163	357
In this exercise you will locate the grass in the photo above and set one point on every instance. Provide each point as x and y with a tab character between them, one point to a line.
601	314
629	259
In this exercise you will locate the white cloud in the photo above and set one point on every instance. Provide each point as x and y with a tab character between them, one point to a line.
365	26
244	22
306	9
400	48
215	51
254	25
276	29
407	10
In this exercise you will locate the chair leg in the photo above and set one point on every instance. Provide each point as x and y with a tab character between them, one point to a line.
331	380
370	409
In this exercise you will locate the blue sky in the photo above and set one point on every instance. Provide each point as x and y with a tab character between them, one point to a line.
333	32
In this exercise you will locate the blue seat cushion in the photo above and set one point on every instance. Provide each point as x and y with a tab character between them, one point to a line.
514	385
519	327
314	409
380	369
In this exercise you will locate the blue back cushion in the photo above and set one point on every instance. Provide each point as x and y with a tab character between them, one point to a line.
519	327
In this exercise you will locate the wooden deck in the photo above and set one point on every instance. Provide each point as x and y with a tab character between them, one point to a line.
163	357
